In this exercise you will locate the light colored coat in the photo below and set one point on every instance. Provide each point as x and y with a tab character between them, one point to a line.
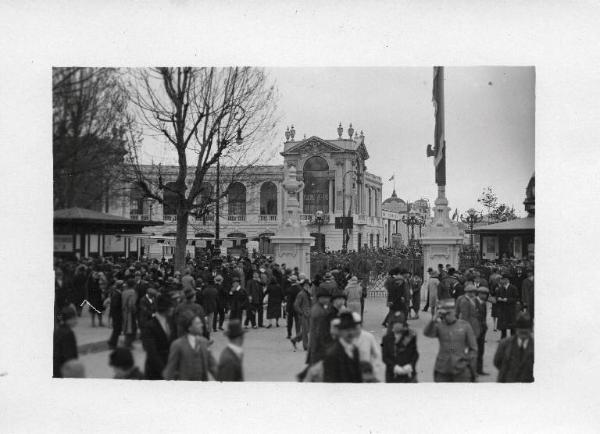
353	293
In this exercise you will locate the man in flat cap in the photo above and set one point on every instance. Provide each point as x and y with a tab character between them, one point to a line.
456	357
514	356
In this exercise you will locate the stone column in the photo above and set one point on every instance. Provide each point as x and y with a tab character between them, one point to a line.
331	193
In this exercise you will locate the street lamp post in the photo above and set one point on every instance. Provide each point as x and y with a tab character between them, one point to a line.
319	221
471	219
344	212
411	221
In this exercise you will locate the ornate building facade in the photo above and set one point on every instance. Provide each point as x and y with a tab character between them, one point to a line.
335	179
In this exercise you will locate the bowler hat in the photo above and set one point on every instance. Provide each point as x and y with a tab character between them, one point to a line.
523	321
121	358
234	329
328	276
347	321
483	289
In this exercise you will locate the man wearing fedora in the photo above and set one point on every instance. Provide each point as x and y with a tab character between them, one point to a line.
467	308
292	317
482	297
230	362
189	357
319	337
65	343
157	337
456	357
507	295
514	356
238	299
342	361
302	307
329	283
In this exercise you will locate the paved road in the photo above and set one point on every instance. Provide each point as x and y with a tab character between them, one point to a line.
269	355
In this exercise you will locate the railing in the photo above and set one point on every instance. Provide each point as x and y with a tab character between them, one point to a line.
236	218
170	217
268	218
143	217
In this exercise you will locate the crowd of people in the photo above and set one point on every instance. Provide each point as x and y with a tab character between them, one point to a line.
173	314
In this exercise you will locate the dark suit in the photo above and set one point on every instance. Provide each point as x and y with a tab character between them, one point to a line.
230	366
156	344
339	368
319	337
65	348
515	365
527	296
507	310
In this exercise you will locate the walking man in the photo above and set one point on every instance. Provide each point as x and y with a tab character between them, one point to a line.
458	346
230	362
302	309
514	356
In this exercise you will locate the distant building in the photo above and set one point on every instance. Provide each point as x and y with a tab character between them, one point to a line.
514	238
335	176
395	232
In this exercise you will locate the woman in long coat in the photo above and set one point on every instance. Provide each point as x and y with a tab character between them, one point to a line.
399	351
275	294
353	293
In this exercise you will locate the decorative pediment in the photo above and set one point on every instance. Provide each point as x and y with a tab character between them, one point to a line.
313	146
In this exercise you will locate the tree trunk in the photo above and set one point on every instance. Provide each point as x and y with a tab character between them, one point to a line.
181	240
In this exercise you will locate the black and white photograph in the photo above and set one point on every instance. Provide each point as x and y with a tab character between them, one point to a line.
250	213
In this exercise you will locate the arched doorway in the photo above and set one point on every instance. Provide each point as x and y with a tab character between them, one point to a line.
268	200
316	182
236	202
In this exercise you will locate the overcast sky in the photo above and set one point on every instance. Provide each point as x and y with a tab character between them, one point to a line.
490	127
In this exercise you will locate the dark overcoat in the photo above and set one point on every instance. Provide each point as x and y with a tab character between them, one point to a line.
507	310
403	352
339	368
230	366
274	301
156	344
515	365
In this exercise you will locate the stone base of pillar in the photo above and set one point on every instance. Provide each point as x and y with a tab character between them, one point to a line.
293	252
442	239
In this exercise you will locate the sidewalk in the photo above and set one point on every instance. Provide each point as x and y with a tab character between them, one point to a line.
91	339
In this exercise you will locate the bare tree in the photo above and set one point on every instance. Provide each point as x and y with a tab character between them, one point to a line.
207	115
89	120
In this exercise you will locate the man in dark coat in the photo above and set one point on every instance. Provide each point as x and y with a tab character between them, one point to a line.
65	344
319	337
219	316
157	338
209	300
238	299
255	301
396	301
62	293
451	286
116	313
230	362
527	295
482	296
506	300
292	316
342	363
514	356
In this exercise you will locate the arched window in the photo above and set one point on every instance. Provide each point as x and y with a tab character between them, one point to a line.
316	185
236	199
268	199
169	199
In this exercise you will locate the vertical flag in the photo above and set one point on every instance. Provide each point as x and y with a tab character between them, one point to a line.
439	151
